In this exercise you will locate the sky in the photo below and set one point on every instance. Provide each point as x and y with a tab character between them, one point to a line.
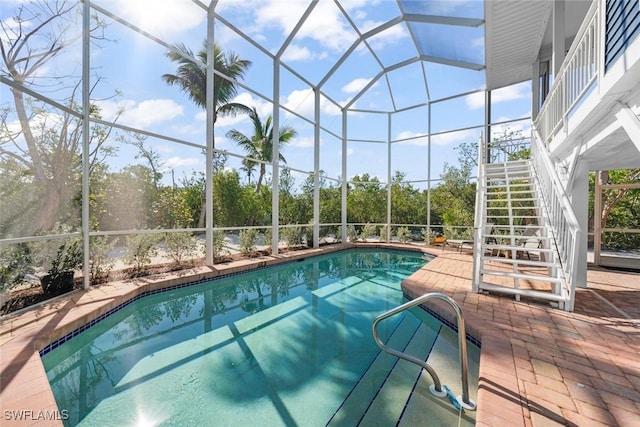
130	66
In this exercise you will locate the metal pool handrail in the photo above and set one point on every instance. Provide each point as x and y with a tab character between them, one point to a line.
436	389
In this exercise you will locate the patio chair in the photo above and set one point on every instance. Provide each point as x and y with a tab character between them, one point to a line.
529	241
459	243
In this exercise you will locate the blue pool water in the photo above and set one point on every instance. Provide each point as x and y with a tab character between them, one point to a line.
287	345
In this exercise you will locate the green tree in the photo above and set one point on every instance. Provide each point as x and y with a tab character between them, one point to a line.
454	199
620	207
227	199
509	144
290	203
191	77
366	200
193	192
259	146
131	196
408	205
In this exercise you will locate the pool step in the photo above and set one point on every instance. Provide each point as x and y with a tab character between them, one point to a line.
389	403
445	361
396	392
359	399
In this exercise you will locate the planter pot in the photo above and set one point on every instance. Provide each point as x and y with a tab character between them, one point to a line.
58	284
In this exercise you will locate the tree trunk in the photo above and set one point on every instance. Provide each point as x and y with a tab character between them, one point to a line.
203	214
262	173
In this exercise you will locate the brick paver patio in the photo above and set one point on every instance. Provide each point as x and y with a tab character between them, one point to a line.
539	366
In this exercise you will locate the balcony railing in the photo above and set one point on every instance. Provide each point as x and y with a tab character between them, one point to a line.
577	75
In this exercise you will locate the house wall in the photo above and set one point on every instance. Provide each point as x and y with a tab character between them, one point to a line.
622	27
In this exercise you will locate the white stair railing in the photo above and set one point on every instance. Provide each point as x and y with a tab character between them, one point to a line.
579	70
562	220
479	218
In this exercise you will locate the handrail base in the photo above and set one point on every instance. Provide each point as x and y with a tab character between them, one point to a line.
435	392
471	406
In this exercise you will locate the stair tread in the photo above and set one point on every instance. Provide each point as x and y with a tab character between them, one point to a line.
505	247
526	199
502	273
529	292
500	193
507	216
517	236
522	261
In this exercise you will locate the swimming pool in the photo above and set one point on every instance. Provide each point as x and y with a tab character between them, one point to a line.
286	345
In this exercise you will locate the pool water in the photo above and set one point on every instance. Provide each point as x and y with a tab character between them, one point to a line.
289	345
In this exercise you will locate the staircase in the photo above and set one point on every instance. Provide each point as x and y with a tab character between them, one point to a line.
516	252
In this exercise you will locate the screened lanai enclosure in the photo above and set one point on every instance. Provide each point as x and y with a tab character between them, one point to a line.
143	132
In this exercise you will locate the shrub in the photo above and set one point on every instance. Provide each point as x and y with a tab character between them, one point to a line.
425	236
403	234
180	246
247	241
100	263
308	234
267	236
15	263
218	245
369	230
292	236
54	257
352	234
140	250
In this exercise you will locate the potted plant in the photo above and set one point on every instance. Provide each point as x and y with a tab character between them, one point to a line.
59	277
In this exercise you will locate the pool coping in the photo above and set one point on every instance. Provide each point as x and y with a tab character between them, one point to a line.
23	381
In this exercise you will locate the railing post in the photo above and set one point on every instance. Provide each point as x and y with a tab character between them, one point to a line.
436	390
478	219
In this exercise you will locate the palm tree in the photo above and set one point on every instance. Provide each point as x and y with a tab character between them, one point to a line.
191	77
260	145
248	167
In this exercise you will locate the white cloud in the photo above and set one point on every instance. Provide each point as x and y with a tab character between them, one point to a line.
161	18
475	100
505	94
264	108
201	116
389	36
456	137
356	85
141	115
183	162
302	142
302	102
324	25
296	53
412	138
150	112
302	53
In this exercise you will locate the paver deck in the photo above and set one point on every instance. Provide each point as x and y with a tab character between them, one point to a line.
539	366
